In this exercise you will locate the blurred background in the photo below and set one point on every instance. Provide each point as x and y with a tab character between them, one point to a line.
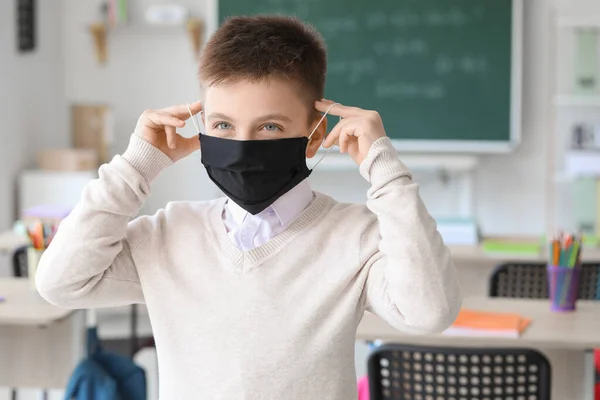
494	105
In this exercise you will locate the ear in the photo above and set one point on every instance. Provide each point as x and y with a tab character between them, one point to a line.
317	138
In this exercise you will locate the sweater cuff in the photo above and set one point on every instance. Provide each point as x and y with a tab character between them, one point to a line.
145	158
383	161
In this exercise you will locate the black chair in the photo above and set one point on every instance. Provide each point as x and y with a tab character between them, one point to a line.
405	372
19	262
529	281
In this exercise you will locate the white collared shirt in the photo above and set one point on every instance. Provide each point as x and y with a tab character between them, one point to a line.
247	231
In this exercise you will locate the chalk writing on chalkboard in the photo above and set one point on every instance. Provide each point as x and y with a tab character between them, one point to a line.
404	91
353	70
405	20
402	47
466	64
334	26
435	18
453	18
375	20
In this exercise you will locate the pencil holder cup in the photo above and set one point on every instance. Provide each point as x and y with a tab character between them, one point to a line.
563	287
33	259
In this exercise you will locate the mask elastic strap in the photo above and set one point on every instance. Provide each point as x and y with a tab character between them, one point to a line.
314	130
194	118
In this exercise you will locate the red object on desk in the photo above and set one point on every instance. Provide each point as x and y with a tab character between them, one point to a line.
597	362
363	388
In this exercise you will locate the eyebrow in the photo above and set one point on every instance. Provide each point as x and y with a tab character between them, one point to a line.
278	117
219	116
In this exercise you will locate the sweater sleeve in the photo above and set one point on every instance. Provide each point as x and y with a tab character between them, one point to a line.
411	281
89	262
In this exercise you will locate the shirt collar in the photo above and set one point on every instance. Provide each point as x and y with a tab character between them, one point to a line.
237	212
287	207
291	204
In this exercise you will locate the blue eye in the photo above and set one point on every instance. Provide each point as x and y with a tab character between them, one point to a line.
223	126
271	127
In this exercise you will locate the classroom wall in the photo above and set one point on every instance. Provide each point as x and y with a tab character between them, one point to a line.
32	115
577	8
148	67
153	67
31	100
510	189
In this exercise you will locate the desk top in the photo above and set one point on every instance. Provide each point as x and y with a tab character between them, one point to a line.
579	330
9	241
477	254
23	306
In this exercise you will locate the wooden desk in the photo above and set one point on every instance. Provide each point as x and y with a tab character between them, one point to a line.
40	344
566	338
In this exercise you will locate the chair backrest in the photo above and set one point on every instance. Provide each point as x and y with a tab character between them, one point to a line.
529	281
19	261
405	372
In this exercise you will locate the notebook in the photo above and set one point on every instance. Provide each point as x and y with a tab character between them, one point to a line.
479	323
511	246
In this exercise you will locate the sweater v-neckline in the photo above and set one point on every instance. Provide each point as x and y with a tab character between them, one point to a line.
245	260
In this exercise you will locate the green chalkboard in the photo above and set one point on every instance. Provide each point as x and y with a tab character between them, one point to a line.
440	72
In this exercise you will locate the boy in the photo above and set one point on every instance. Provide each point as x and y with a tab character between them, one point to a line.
257	295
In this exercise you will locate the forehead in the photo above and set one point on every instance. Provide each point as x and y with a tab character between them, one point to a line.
245	100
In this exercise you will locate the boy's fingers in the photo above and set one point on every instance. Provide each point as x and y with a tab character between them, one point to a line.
342	141
159	118
333	136
171	137
181	110
337	109
191	144
345	138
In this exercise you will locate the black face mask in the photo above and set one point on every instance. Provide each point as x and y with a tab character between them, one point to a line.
255	173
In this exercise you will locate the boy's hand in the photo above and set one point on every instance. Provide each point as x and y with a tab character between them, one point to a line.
159	128
356	132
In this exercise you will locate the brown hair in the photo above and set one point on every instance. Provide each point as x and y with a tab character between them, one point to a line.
266	46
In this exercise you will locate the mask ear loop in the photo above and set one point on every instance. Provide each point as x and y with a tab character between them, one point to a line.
194	118
314	130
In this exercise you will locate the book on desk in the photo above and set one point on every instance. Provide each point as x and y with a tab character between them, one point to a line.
489	324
